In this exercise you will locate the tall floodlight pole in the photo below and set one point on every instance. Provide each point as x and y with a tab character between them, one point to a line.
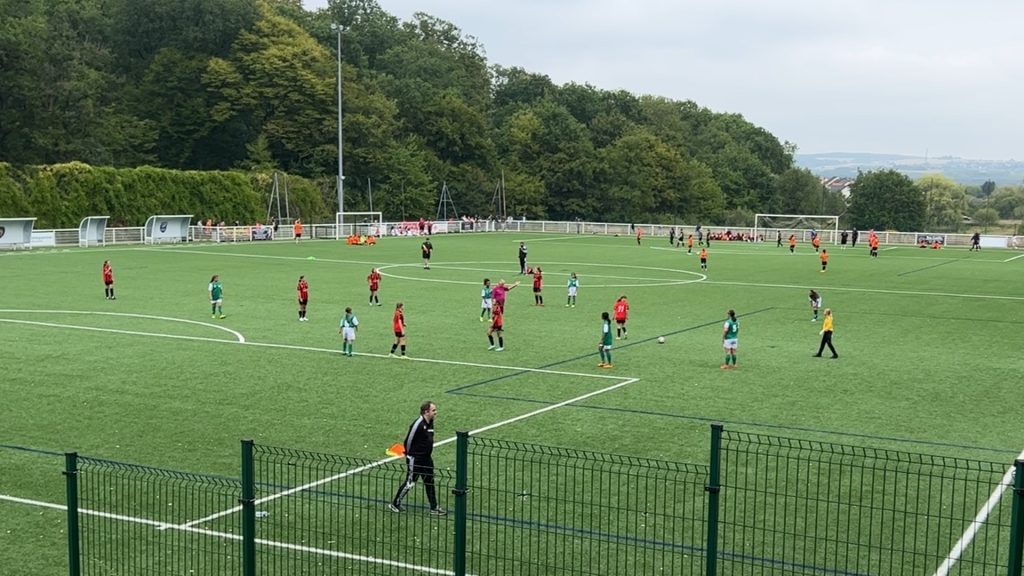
341	173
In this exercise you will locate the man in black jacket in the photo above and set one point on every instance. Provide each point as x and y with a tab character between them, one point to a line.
522	258
419	446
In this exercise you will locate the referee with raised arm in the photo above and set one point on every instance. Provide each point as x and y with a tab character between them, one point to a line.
419	446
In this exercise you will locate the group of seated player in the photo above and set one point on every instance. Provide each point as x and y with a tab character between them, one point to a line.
935	245
360	240
737	236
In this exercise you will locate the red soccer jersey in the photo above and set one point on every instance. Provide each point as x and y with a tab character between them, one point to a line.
108	273
496	318
374	280
538	279
621	309
303	289
398	322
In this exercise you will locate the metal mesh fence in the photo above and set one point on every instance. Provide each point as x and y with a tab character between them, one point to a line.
794	506
134	520
543	510
764	505
326	514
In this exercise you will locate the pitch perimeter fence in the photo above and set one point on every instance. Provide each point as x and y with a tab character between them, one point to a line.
763	505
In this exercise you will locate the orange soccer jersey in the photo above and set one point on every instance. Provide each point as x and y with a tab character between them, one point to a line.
824	257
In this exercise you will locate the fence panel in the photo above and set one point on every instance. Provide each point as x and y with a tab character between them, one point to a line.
801	507
137	520
550	511
326	514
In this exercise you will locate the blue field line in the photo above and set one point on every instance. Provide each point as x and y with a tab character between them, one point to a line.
600	535
459	389
930	267
30	450
752	424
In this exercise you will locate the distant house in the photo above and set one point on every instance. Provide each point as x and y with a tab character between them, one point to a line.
838	184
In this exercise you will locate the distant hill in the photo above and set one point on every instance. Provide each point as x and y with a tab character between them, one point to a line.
960	170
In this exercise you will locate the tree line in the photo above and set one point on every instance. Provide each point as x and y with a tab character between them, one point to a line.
250	85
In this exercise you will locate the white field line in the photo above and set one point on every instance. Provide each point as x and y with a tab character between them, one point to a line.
872	290
115	331
332	351
238	336
372	465
979	520
1012	259
244	342
236	537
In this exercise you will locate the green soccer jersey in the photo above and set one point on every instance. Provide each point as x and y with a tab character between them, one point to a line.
216	290
732	329
574	282
606	333
349	321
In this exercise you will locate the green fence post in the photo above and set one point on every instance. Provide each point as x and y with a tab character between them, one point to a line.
713	488
461	488
1017	521
248	501
71	483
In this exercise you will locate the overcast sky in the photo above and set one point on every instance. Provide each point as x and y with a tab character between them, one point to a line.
906	77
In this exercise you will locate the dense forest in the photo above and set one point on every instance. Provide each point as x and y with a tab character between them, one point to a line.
250	86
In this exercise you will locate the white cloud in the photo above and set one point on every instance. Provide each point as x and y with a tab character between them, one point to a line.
830	75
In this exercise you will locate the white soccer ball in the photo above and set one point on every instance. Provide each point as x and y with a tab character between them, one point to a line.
661	339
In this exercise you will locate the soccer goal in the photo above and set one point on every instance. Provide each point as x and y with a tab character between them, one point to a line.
359	223
800	224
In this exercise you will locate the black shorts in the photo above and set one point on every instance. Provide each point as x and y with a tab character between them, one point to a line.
536	290
303	302
299	235
108	282
399	334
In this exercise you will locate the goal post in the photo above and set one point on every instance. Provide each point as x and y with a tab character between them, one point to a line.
802	224
359	223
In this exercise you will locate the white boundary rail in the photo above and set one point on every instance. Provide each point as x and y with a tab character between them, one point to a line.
65	237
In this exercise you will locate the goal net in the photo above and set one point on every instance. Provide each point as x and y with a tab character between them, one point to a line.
359	223
802	225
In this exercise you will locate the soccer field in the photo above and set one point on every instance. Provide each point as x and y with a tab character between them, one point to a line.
929	344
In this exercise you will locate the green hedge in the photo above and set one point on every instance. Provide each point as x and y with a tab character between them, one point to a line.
60	195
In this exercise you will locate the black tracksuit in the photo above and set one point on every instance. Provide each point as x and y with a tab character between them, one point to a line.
419	446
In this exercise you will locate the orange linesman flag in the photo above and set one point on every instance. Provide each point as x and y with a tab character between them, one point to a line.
396	449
